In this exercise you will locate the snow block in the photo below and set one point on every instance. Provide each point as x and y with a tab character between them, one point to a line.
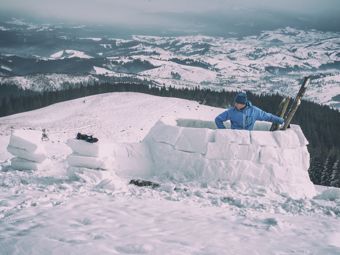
193	140
23	164
296	157
131	159
220	151
163	133
262	125
194	123
270	154
174	164
232	136
232	152
37	156
25	139
299	133
84	148
87	162
287	138
263	138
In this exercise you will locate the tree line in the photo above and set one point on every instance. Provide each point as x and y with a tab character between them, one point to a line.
319	123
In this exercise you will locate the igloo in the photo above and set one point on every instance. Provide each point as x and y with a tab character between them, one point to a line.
186	150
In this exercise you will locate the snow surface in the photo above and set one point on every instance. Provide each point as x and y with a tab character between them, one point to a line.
71	210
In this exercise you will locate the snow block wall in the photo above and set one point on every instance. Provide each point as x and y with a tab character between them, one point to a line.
194	150
27	149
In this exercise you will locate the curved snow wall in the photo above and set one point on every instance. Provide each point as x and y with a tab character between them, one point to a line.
194	150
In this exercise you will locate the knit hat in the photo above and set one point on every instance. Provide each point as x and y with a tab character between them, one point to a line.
241	98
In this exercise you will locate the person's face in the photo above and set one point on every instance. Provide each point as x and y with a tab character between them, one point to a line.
239	106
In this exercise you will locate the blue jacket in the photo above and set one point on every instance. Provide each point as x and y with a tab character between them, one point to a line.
245	118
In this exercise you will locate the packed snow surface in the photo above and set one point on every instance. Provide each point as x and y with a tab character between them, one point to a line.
62	209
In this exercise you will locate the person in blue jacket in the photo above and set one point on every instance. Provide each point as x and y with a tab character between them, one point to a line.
244	115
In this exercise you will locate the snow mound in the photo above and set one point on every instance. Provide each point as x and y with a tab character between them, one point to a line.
188	150
97	179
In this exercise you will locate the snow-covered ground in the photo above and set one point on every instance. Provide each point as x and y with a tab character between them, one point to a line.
80	211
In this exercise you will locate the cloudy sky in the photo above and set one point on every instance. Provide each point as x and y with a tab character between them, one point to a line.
195	15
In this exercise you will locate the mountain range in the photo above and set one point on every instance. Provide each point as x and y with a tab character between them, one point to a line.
45	57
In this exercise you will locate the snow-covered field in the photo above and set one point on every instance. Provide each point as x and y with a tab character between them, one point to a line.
80	211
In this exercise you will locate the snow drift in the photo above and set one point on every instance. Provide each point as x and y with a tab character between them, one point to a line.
187	150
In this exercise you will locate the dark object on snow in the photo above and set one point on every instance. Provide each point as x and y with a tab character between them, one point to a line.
144	183
87	138
44	136
296	103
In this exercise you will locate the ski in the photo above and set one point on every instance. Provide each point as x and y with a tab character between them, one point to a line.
296	103
281	112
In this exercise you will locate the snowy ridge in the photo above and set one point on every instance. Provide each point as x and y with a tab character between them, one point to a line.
46	82
269	62
100	210
69	54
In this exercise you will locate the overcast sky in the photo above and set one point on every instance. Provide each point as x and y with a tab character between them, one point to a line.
174	12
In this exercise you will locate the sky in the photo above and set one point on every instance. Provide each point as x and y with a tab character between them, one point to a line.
192	15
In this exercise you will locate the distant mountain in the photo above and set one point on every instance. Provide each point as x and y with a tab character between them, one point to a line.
269	62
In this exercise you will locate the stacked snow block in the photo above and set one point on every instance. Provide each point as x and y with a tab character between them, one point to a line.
87	155
26	146
191	150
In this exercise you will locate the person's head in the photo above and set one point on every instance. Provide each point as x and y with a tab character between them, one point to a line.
240	100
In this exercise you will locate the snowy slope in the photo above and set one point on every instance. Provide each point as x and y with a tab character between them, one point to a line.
268	62
69	54
40	82
89	211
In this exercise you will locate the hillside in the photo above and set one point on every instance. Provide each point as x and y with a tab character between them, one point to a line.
271	61
90	211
